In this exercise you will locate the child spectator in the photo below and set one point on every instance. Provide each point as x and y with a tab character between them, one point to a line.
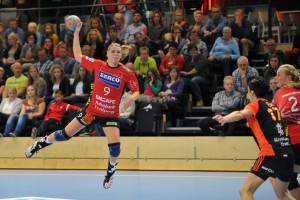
54	116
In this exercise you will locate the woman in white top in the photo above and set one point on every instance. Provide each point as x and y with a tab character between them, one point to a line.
10	105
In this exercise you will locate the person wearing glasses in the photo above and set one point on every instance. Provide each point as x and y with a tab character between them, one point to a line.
271	47
214	26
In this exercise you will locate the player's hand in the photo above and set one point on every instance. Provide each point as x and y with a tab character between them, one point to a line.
78	27
220	119
285	114
128	101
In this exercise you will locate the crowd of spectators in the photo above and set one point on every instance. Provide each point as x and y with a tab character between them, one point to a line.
169	61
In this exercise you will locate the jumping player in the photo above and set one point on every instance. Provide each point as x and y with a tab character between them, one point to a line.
287	99
110	77
275	158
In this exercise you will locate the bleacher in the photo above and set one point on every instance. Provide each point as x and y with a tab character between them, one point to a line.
188	125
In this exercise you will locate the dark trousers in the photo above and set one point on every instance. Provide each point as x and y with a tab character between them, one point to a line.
47	126
208	122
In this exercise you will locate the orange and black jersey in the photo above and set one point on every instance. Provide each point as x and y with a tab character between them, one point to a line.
268	128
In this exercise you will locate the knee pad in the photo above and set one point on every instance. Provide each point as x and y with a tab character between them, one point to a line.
293	183
60	135
114	149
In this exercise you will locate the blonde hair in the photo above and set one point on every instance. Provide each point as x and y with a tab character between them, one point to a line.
35	97
56	66
30	79
12	89
2	70
290	70
16	37
99	36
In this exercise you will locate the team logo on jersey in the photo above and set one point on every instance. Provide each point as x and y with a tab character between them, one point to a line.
109	79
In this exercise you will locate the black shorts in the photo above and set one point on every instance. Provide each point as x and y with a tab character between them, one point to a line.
89	119
296	150
280	167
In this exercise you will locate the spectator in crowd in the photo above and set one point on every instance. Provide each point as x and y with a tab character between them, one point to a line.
172	58
152	86
65	61
178	38
95	23
156	29
2	81
9	106
141	41
54	115
224	102
95	40
86	50
12	53
271	46
136	26
144	62
33	108
273	66
58	81
81	87
66	43
214	26
225	52
180	22
273	89
293	55
119	25
48	44
37	81
131	55
242	32
198	24
13	28
33	28
171	93
113	38
44	63
242	73
29	52
127	10
49	32
194	38
18	80
164	47
194	74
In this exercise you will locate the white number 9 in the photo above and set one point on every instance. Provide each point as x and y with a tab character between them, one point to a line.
106	90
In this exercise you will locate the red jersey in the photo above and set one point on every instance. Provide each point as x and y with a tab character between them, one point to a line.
166	63
288	98
58	110
108	87
268	128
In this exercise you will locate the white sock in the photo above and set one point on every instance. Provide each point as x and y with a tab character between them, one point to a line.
47	141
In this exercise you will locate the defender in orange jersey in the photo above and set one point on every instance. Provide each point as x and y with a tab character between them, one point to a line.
276	157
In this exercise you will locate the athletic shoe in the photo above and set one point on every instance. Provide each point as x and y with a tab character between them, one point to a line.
34	132
38	145
12	135
108	179
1	135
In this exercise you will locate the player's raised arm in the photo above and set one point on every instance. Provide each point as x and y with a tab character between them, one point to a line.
76	44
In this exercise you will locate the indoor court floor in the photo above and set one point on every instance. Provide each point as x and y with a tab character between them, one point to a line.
128	185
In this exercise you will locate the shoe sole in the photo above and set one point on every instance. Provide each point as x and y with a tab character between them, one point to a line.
108	184
27	154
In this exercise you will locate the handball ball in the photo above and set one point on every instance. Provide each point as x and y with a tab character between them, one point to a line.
72	21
